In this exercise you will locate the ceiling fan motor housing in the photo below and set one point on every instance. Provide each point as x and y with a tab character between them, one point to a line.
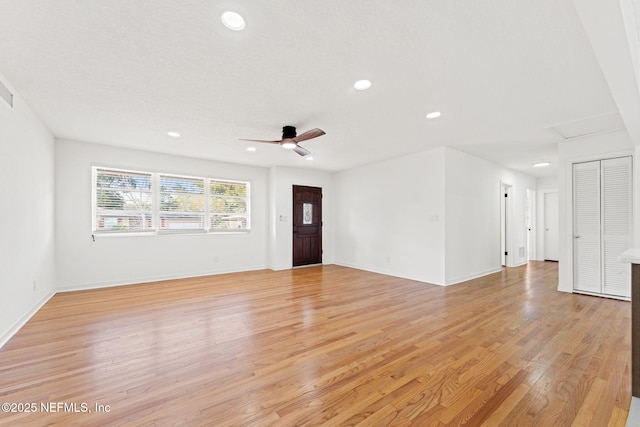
289	132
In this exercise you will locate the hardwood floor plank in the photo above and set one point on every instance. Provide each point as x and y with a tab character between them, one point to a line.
585	414
618	418
480	409
324	345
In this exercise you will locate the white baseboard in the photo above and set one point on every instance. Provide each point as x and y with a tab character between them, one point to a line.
148	279
596	294
447	283
386	273
473	276
291	267
519	264
4	338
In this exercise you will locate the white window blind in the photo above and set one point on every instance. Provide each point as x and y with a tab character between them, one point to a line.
131	201
181	203
228	205
123	201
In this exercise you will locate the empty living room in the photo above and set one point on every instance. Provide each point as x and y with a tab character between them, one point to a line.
284	213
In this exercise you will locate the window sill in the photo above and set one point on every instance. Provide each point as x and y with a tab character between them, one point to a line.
162	234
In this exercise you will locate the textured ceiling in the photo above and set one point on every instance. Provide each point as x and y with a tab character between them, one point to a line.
124	72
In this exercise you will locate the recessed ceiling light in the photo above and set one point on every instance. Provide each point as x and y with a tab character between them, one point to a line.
173	134
541	164
289	145
434	115
308	157
233	20
251	148
362	85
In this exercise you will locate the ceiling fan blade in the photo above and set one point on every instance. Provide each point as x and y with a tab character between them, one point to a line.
262	140
313	133
302	151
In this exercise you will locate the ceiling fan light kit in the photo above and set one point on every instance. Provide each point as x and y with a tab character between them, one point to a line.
289	145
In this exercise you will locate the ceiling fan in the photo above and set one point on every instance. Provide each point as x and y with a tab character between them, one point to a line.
290	139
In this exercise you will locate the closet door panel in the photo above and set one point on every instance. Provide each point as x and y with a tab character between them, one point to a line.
616	184
587	275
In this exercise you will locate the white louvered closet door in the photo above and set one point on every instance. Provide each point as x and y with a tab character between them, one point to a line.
602	215
616	225
586	224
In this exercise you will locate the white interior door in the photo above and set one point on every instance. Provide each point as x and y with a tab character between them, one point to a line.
551	225
586	227
616	225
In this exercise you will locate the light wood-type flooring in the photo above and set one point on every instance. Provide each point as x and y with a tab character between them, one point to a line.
323	345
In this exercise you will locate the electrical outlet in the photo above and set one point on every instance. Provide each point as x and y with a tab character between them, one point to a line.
35	285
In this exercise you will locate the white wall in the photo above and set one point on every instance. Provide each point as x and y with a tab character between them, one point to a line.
473	198
281	181
432	216
581	150
113	260
390	217
27	215
547	182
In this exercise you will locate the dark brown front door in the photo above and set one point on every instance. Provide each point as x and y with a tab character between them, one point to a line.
307	225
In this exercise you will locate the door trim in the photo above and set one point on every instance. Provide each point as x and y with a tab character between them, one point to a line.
543	239
314	260
506	215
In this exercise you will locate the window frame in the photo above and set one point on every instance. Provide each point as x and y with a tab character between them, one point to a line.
156	213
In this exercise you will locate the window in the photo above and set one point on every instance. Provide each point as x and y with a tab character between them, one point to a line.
134	202
123	201
181	203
